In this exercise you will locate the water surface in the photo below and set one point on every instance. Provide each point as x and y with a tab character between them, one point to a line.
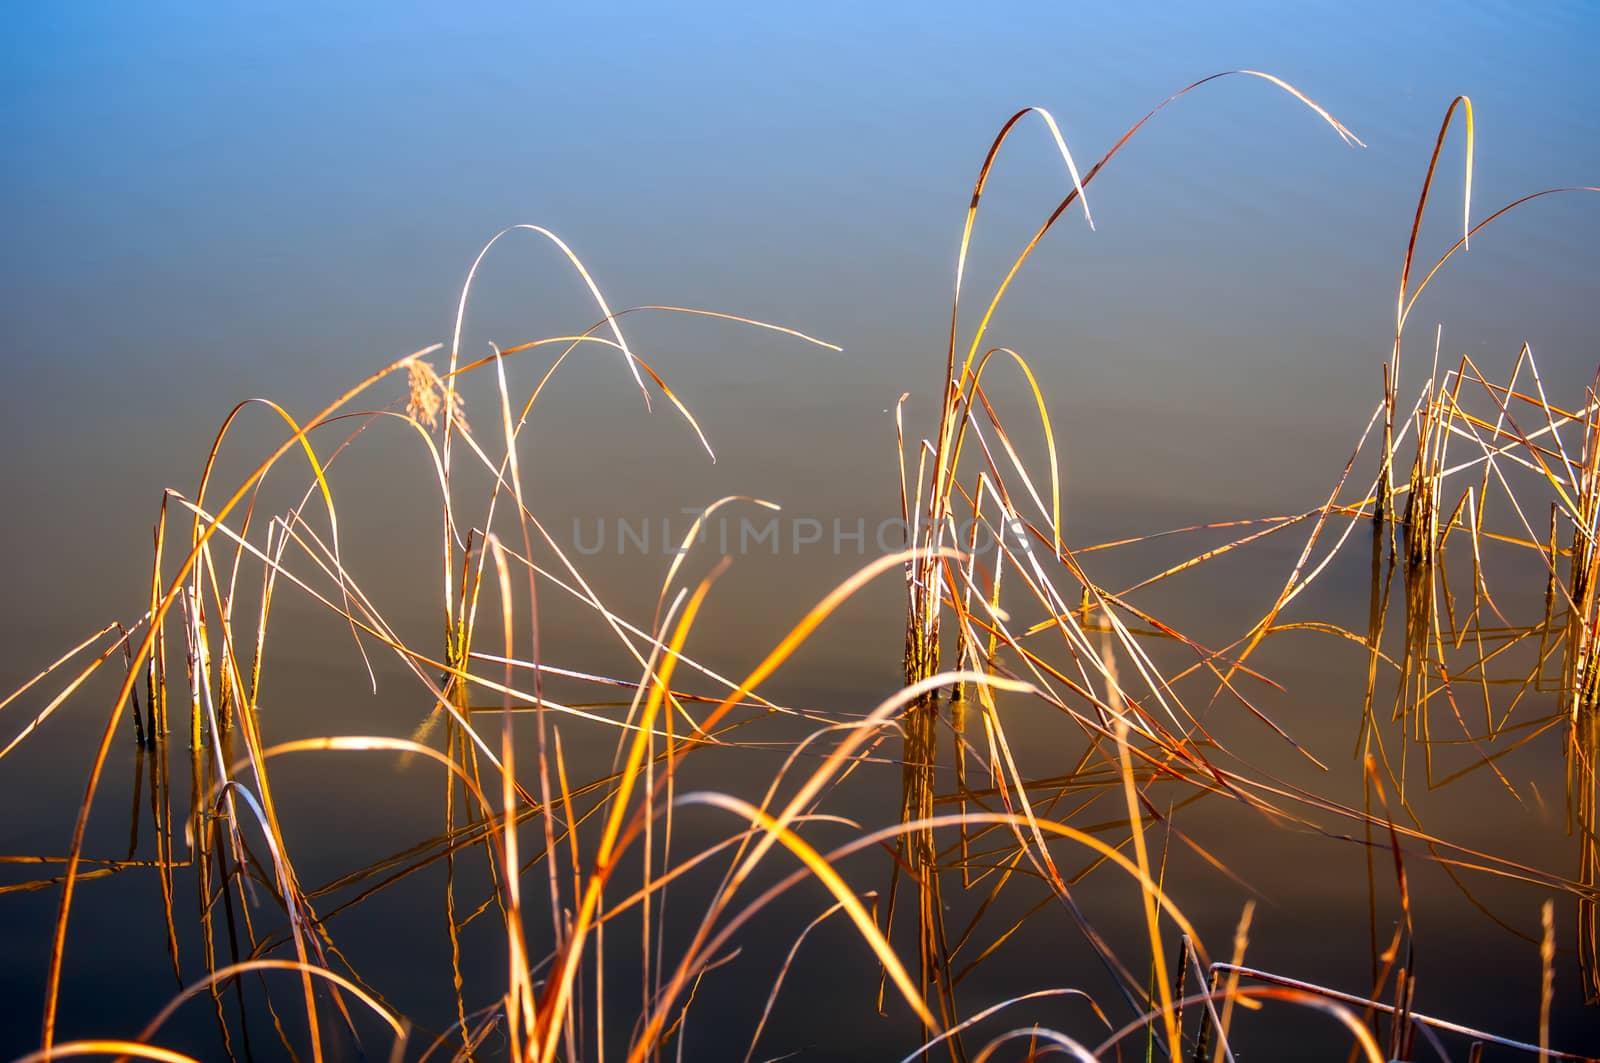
207	206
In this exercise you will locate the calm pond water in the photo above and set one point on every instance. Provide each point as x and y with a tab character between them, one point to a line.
205	206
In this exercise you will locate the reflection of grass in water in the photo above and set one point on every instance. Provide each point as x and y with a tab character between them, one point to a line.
980	849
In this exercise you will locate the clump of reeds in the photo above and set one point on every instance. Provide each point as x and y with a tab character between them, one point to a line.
1581	678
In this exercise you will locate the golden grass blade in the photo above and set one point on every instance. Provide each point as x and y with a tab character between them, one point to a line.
71	688
583	274
1054	511
1136	827
1547	956
1250	994
1422	203
819	866
57	663
994	1009
520	995
1036	1034
68	1049
222	974
1460	245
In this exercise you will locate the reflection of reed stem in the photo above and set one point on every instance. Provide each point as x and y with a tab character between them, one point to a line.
916	849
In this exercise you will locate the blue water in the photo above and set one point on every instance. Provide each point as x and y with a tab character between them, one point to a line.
202	205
